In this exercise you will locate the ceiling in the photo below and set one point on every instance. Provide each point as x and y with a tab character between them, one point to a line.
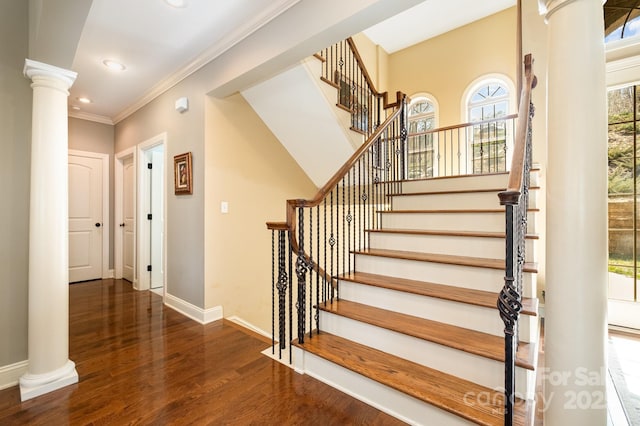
429	19
160	45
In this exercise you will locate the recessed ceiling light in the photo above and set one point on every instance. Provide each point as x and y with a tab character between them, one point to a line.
113	65
176	3
75	107
84	100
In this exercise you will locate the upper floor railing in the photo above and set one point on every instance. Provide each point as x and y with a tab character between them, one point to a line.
344	69
471	148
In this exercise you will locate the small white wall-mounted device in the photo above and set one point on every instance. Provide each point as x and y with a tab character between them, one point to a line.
182	104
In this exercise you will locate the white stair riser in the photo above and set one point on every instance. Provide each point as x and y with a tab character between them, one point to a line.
478	369
456	183
384	398
471	221
466	200
461	276
483	319
445	244
461	183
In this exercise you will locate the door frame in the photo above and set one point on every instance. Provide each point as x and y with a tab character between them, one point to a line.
119	205
142	232
106	228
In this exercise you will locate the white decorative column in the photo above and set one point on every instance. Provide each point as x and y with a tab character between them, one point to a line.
576	259
49	364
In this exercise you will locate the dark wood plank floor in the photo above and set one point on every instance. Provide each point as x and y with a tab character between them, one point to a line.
142	363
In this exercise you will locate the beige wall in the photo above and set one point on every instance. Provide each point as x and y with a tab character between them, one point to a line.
446	65
15	144
246	166
96	137
185	213
214	259
376	61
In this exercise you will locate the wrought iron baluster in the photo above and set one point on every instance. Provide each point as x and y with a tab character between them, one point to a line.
332	243
318	272
282	286
324	282
310	266
273	286
345	254
289	285
301	272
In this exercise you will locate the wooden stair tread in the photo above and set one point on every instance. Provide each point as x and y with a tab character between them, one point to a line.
450	211
439	389
450	259
463	339
456	191
451	233
329	82
469	296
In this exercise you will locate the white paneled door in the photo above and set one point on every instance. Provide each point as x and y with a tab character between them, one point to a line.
85	218
128	223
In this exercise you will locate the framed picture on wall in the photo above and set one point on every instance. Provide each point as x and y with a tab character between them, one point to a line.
182	174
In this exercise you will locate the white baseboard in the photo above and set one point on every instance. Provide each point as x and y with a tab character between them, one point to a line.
110	273
203	316
250	326
10	374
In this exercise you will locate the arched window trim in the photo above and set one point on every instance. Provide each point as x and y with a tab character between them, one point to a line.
512	107
417	97
483	80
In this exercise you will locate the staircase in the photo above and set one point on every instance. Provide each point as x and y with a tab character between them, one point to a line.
394	290
416	331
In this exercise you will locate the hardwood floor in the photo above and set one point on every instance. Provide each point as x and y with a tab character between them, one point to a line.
142	363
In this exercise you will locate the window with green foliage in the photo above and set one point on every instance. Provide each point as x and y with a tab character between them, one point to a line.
624	114
421	152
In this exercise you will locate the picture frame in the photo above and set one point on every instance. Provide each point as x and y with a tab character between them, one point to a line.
182	174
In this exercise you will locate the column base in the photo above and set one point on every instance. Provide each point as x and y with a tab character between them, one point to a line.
32	385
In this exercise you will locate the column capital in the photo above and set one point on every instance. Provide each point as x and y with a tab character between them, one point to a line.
34	69
548	7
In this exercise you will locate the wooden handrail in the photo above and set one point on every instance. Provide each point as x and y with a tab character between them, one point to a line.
360	62
516	175
337	177
277	226
367	77
292	205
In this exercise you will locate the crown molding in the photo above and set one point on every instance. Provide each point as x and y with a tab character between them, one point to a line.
207	56
91	117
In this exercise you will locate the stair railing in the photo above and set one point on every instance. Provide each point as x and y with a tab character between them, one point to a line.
344	69
323	233
480	147
516	201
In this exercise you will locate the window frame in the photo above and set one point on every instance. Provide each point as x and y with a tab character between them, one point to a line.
416	98
466	108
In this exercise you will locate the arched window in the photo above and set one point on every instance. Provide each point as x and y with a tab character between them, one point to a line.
487	103
421	152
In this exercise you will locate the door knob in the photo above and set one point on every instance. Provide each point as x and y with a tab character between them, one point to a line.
122	225
98	224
